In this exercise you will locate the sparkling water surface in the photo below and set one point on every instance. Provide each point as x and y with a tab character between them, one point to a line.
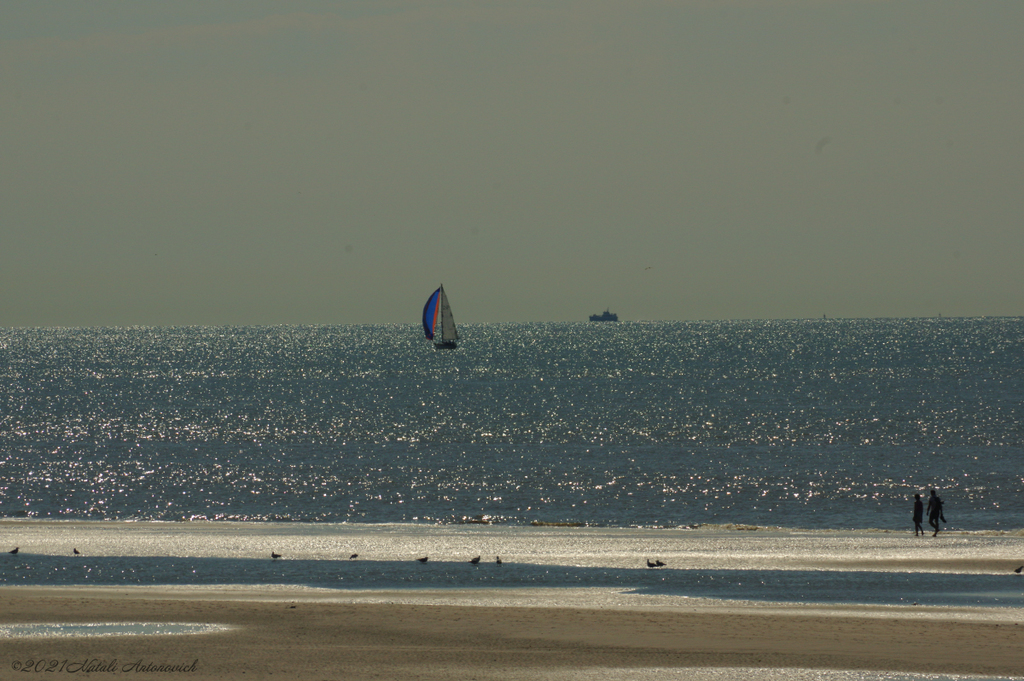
105	629
746	673
572	442
799	424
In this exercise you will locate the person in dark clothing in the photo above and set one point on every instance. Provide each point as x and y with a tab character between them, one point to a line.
935	512
918	515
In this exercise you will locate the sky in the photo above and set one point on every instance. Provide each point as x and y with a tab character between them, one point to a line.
315	162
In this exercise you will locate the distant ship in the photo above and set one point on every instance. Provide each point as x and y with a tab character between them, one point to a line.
605	316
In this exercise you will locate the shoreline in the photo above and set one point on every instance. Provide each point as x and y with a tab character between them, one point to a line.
14	521
390	634
572	598
718	547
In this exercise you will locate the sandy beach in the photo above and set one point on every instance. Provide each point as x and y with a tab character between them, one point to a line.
290	618
284	636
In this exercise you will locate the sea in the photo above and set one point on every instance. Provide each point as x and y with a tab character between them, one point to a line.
760	461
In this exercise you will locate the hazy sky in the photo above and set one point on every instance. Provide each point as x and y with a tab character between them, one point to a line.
260	162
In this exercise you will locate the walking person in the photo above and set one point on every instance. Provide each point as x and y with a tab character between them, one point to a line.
935	512
918	515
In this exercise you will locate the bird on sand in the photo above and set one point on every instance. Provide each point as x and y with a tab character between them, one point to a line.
476	560
14	552
77	552
353	556
650	564
274	555
659	563
498	561
423	559
1018	570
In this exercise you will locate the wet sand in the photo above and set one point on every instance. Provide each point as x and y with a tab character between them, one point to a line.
279	635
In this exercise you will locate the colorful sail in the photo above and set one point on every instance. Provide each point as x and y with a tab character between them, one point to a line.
439	322
430	313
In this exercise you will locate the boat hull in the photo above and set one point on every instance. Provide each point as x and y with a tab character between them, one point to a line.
605	316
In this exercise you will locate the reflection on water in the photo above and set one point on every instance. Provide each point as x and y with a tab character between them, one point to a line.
106	629
803	586
816	423
744	673
831	568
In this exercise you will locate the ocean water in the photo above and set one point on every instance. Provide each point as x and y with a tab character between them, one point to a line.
796	427
799	424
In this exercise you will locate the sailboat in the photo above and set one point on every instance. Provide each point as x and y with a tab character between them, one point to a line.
437	317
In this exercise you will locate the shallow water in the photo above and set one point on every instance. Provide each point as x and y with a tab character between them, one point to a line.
737	565
746	673
96	629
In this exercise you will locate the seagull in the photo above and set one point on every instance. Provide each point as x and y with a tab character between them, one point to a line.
423	559
77	552
353	556
499	560
275	556
1017	570
14	552
475	560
